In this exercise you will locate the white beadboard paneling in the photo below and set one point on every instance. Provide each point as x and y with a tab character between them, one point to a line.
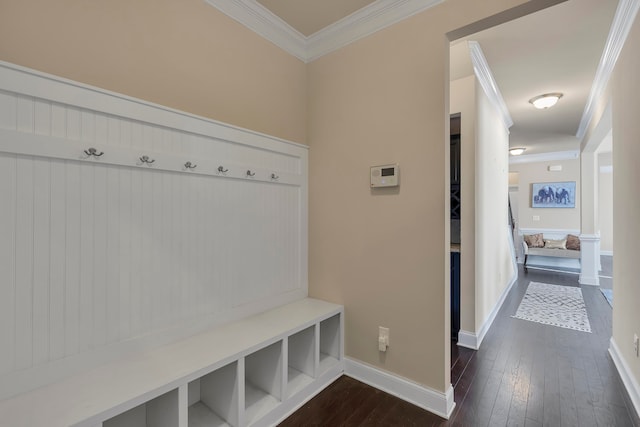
42	117
73	258
58	121
103	255
8	189
86	225
124	253
57	251
41	261
74	124
8	111
100	240
112	260
25	114
24	234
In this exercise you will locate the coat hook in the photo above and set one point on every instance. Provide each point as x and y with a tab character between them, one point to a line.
93	152
274	177
221	169
249	173
190	165
147	160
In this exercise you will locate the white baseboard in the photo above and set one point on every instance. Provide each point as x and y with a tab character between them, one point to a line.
630	383
468	339
439	403
473	340
607	253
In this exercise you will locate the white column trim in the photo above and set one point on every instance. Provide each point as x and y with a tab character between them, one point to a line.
589	259
488	82
434	401
622	22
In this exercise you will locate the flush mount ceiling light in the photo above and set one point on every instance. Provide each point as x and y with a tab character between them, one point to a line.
545	101
516	151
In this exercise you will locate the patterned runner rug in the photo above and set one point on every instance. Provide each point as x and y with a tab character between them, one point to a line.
555	305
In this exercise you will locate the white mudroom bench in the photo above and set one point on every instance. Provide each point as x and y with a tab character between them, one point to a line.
251	372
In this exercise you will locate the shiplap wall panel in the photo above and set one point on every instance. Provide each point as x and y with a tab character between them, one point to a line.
72	256
41	266
58	248
7	255
24	264
95	255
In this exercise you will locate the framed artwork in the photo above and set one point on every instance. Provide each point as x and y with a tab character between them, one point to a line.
553	194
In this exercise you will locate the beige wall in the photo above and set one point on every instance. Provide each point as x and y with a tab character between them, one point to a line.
626	210
462	100
550	218
183	54
494	265
384	254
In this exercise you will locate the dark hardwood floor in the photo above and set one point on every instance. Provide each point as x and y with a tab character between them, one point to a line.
525	374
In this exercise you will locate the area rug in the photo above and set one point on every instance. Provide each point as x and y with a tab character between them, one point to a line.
555	305
608	294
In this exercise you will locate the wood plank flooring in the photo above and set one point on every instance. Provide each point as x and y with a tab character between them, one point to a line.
525	374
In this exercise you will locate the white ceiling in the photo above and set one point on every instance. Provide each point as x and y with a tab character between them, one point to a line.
554	50
311	16
557	49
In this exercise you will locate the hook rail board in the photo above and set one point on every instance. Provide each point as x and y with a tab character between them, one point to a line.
13	142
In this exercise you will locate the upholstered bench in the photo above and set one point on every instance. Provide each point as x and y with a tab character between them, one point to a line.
537	244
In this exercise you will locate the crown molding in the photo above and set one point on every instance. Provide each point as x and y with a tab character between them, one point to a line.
544	157
259	19
485	77
620	27
366	21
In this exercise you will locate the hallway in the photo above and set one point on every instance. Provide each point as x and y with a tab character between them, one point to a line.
525	374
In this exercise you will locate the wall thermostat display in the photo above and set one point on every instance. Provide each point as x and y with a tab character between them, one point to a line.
384	176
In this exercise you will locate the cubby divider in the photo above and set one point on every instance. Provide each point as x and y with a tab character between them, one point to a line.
263	381
330	343
213	398
301	360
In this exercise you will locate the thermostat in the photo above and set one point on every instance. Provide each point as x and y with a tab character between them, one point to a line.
384	176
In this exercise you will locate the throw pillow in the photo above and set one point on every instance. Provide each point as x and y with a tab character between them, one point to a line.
555	244
534	240
573	242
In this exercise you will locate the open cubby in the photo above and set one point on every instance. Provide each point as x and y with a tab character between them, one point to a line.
329	342
213	398
301	357
263	381
159	412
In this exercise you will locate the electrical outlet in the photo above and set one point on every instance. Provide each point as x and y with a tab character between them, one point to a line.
636	345
383	338
536	217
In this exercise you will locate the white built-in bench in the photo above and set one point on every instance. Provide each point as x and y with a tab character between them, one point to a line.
549	252
252	372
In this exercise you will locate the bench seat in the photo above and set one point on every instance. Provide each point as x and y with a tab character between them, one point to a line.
93	397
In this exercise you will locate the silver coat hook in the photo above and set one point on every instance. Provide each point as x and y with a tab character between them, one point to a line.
93	152
221	169
147	160
274	177
190	165
249	173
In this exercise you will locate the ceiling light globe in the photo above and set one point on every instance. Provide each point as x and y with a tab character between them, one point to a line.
516	151
545	101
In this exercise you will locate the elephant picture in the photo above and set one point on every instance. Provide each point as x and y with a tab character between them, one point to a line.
553	195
